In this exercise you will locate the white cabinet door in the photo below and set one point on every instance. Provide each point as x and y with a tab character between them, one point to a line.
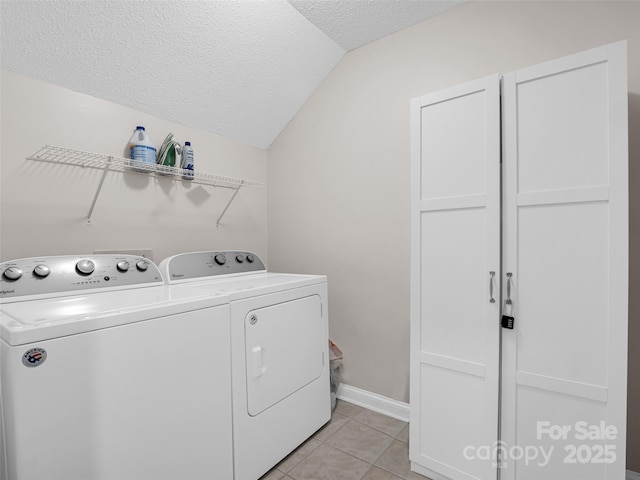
455	245
565	243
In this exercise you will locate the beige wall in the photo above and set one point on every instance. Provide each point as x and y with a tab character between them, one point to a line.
43	207
339	173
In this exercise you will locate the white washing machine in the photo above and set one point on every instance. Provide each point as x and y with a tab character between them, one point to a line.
106	373
279	352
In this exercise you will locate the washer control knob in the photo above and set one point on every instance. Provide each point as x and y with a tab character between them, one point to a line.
85	267
220	259
239	258
123	266
41	271
12	273
250	258
142	266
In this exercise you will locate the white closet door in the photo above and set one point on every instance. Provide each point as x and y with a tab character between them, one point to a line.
566	242
455	245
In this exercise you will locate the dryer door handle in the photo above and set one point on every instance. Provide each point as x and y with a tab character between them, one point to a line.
258	361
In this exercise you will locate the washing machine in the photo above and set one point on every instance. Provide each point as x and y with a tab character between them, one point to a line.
279	352
107	373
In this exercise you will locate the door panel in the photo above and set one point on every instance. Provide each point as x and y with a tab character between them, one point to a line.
563	280
565	242
552	456
455	246
460	424
549	135
284	350
452	168
447	322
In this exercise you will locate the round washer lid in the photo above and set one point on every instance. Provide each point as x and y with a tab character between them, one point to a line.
37	320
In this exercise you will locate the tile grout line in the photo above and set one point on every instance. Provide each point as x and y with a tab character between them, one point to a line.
324	442
343	412
372	464
378	430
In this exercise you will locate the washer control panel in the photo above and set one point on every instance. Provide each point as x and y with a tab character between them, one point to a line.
67	273
192	265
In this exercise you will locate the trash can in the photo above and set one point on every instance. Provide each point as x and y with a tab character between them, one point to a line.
335	360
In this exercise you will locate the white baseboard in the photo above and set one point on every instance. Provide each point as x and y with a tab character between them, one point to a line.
373	401
632	475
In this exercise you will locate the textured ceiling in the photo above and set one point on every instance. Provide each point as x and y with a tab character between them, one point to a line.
353	23
237	68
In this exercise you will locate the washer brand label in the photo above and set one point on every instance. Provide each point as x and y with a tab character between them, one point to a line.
177	275
34	357
6	292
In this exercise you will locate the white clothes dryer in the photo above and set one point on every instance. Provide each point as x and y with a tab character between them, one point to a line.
108	373
279	352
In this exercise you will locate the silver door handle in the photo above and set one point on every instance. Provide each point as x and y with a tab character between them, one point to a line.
508	300
491	275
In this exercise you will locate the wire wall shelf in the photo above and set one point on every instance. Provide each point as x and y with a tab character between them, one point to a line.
68	156
109	163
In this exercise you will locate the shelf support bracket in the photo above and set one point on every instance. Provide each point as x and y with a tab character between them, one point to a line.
229	203
99	189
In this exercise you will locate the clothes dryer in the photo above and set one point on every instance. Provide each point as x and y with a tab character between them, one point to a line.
107	373
279	352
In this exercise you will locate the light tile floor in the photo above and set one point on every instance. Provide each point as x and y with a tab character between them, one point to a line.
357	444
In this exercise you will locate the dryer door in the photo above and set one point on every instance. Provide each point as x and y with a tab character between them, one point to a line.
284	350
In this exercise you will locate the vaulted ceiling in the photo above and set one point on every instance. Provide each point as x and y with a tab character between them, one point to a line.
237	68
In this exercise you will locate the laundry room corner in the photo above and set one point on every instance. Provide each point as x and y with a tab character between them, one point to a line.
339	176
454	202
56	208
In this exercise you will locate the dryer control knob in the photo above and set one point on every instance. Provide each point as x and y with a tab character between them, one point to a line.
85	267
250	258
41	271
142	266
123	266
12	273
220	259
239	258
